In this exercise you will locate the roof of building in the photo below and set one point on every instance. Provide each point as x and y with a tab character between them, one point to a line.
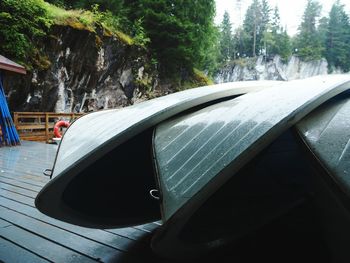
9	65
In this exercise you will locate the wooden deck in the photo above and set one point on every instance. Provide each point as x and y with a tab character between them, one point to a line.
26	235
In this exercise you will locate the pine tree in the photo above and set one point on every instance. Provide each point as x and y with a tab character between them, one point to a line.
252	26
276	21
255	25
338	38
322	32
280	43
283	43
181	32
308	40
226	39
265	15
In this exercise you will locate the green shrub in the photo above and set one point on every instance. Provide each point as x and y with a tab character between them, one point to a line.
22	24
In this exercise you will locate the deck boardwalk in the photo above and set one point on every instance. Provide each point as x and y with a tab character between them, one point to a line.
26	235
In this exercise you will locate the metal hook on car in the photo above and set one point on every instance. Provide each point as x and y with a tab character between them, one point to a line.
154	194
48	172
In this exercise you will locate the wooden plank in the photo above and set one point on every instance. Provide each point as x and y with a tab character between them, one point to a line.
40	246
16	157
22	163
31	137
31	126
131	233
38	126
16	173
23	180
47	126
31	133
59	236
20	184
20	178
34	177
103	237
51	114
150	227
16	197
18	190
12	253
4	223
22	168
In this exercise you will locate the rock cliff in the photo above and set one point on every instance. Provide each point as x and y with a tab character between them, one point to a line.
84	71
270	69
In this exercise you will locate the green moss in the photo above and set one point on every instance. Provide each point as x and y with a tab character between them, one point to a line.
201	79
124	38
196	79
77	24
88	20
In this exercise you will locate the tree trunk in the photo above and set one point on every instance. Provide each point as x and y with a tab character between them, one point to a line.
254	39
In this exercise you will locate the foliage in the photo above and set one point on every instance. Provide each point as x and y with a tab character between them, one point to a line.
265	16
22	23
140	37
181	32
252	26
227	47
337	38
201	79
197	78
280	42
308	41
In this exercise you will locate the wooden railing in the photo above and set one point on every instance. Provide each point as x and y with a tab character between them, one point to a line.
38	126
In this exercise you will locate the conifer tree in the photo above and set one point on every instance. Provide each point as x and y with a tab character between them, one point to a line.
226	39
280	44
308	40
338	38
181	32
255	24
252	26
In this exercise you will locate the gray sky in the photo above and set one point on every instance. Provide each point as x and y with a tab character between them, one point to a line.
291	11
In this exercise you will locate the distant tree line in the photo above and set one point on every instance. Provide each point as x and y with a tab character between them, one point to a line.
180	35
261	33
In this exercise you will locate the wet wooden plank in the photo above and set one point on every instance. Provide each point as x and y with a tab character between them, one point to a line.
4	223
21	195
57	235
16	197
40	246
12	253
100	236
130	232
19	174
150	227
22	169
20	184
18	190
23	179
